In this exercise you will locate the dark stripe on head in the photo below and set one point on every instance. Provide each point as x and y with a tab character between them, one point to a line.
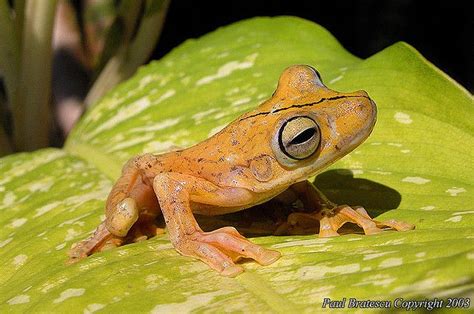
303	105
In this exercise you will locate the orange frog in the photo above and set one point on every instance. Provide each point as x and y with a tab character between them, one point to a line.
266	153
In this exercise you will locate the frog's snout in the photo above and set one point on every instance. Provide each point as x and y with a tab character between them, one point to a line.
356	121
367	108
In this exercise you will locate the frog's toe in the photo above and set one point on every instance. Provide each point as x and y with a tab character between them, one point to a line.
220	249
123	218
229	240
397	225
98	241
333	219
212	256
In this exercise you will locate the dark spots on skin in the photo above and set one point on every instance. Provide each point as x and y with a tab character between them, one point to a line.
237	170
234	142
337	147
221	159
200	159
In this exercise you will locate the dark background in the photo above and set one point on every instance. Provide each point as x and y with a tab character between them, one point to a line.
441	30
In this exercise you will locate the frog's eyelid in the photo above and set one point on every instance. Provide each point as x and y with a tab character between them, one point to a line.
317	73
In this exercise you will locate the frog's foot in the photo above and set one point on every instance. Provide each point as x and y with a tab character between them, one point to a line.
101	240
143	229
330	220
220	249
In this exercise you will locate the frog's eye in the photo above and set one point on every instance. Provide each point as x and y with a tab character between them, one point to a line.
319	79
299	137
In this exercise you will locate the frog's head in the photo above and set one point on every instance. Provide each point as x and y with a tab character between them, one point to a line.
311	125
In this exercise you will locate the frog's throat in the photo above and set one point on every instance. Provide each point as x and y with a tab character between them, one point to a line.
303	105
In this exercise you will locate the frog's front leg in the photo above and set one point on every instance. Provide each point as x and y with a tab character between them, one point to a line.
130	212
331	217
177	194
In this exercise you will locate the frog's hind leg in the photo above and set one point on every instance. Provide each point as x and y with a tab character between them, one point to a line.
101	240
332	217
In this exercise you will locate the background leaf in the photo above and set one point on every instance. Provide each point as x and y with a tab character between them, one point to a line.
416	167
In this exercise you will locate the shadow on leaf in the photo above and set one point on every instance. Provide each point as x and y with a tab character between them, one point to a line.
340	186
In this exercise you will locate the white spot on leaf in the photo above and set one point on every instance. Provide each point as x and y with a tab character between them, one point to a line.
19	260
46	208
19	299
403	118
228	68
416	180
159	146
5	242
69	293
18	222
375	255
464	212
241	101
383	173
454	191
71	234
60	246
334	80
430	207
200	115
9	198
94	307
454	219
395	144
156	126
391	262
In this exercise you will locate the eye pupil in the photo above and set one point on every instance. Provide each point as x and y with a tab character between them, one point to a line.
304	136
299	137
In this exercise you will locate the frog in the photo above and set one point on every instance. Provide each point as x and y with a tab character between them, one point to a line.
267	153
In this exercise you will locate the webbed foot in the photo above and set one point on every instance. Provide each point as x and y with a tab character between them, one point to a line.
220	249
331	220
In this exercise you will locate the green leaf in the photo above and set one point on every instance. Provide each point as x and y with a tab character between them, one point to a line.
416	166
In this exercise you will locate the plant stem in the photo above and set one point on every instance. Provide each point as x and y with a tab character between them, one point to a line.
148	33
129	58
5	147
9	51
32	112
19	6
